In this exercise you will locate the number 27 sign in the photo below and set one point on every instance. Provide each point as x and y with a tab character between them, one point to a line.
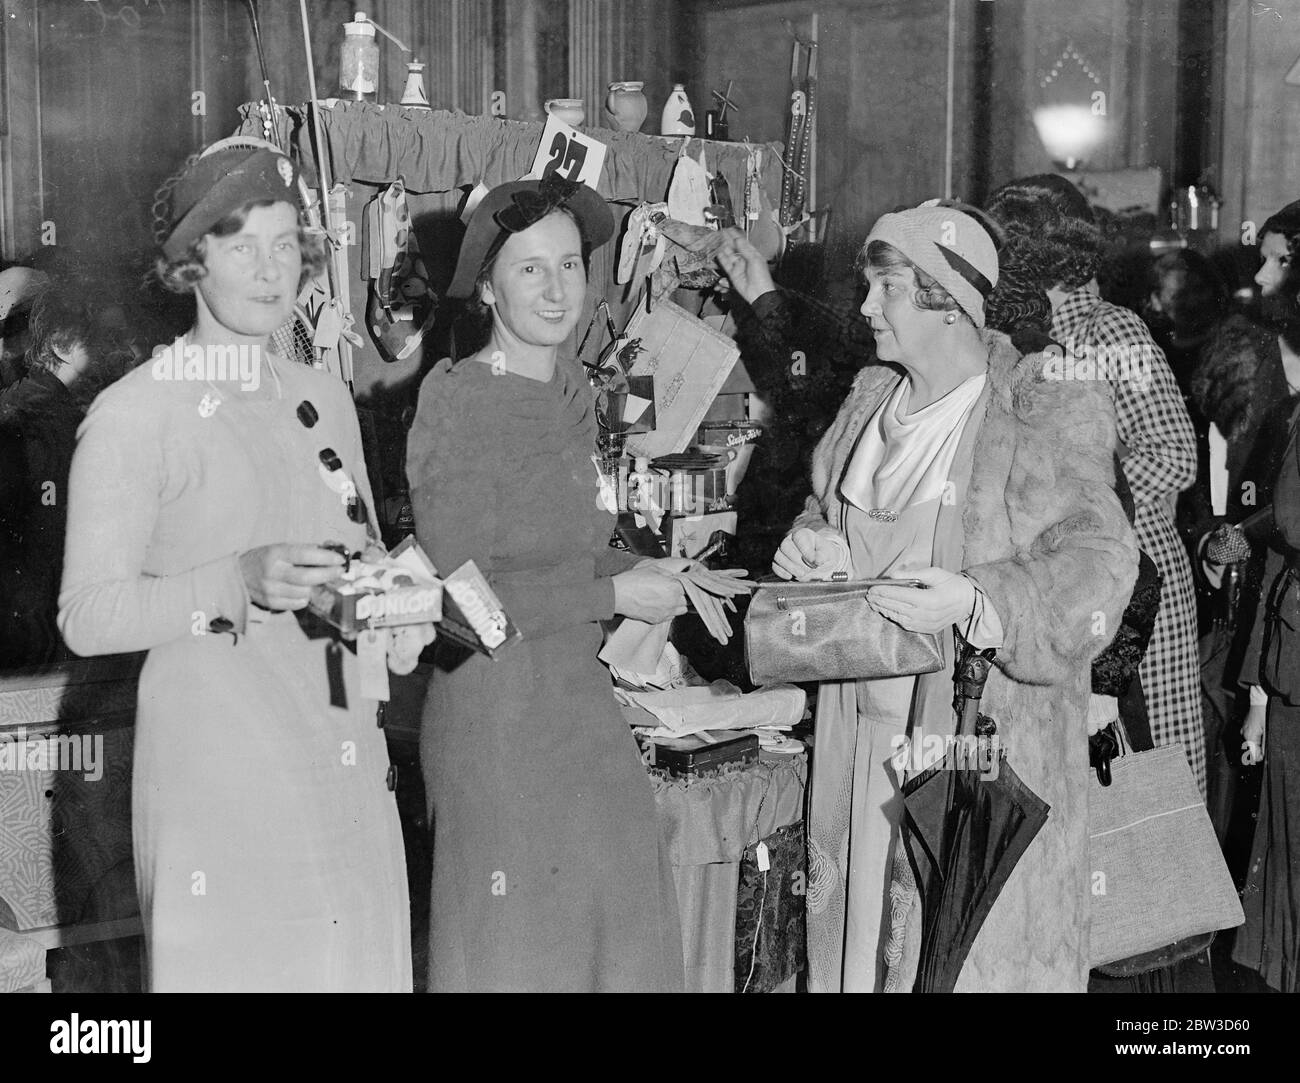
569	153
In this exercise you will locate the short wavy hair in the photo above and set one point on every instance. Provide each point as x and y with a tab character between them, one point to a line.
1019	308
1050	233
65	314
184	274
1285	222
929	295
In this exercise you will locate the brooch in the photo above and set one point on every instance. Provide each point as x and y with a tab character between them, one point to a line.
208	405
882	515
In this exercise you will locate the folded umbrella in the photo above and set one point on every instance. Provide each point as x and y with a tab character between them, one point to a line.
967	822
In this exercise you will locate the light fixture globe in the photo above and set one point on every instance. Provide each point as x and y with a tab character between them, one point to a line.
1069	133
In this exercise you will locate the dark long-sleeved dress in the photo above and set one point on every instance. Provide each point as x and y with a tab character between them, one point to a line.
1269	941
548	868
38	432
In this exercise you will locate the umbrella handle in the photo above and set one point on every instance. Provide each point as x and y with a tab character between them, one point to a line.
972	673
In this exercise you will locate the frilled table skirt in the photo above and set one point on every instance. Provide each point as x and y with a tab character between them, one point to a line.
713	825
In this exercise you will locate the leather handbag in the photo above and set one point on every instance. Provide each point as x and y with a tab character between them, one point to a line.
825	631
1157	873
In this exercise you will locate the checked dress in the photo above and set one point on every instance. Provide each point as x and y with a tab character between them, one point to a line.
1159	457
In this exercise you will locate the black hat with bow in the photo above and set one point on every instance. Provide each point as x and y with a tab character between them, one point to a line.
513	208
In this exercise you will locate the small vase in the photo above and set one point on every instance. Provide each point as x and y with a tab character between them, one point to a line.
413	93
678	118
572	111
627	105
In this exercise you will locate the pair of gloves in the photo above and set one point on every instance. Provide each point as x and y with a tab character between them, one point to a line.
709	592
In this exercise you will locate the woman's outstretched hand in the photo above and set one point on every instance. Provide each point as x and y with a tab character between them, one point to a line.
947	598
648	595
744	266
724	582
710	592
281	577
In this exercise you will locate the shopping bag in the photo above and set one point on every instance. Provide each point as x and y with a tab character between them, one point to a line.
1157	872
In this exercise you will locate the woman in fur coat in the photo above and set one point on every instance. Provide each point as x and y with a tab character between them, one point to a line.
988	478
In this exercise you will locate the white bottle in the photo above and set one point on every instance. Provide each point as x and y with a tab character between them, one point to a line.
678	117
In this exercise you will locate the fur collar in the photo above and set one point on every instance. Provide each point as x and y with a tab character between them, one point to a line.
1007	371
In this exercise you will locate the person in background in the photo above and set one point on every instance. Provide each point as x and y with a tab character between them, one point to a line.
1050	232
268	852
1186	299
1247	374
18	286
802	386
1269	941
1227	382
927	472
1020	308
73	355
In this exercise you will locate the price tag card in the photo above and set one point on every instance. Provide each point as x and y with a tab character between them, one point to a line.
569	153
372	662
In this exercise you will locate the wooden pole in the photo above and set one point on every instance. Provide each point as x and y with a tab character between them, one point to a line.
948	103
810	186
323	175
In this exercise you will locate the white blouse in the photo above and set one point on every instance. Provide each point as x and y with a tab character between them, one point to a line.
904	459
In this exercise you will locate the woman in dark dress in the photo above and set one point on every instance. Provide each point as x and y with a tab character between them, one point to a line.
548	869
1269	941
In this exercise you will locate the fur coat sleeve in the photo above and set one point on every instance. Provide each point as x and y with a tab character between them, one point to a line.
1055	552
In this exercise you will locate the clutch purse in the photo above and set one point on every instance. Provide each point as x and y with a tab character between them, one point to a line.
825	631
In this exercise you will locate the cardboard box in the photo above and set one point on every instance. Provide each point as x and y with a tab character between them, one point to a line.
377	598
474	615
403	589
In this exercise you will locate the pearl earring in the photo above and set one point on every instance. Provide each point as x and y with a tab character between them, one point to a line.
950	318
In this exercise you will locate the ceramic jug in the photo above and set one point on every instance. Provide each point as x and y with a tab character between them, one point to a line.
570	110
626	105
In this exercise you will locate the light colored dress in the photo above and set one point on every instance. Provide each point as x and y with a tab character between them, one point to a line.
267	845
901	467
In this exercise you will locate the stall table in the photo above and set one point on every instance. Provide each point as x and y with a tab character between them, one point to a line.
711	825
